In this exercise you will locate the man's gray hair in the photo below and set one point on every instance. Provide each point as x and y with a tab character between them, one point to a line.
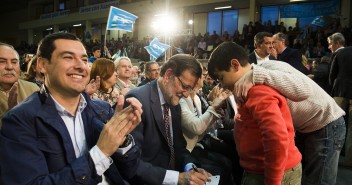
337	38
117	61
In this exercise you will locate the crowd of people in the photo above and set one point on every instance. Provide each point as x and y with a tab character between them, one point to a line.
256	113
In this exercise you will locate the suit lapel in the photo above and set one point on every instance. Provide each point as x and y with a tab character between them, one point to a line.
156	108
50	116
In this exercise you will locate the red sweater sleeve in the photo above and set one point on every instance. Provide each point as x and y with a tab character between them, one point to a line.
270	111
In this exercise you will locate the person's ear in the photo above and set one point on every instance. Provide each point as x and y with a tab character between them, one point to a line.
168	75
235	64
41	63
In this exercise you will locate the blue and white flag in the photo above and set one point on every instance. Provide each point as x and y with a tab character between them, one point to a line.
156	48
120	20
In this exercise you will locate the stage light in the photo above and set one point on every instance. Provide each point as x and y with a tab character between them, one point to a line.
165	23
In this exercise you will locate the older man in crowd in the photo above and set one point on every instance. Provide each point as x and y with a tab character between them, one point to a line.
13	90
152	71
124	73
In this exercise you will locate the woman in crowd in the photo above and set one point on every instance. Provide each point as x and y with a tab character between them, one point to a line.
105	69
33	74
196	124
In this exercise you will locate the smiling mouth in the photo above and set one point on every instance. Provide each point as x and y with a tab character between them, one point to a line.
76	76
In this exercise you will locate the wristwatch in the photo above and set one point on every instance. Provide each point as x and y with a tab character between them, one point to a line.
127	141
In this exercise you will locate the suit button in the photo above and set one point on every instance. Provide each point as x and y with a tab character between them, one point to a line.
83	177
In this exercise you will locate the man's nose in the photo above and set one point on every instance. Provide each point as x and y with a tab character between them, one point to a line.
9	65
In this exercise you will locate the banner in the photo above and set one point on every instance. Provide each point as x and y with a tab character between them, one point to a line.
310	9
156	48
120	20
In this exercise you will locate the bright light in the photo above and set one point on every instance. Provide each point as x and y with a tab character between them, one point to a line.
49	29
190	21
223	7
165	24
76	25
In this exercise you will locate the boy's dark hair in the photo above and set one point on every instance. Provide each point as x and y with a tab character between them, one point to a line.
182	62
220	58
46	46
95	48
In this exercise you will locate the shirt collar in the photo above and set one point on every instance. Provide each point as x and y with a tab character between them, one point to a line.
161	96
81	105
260	58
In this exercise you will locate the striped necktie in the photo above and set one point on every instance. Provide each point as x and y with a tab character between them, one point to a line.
168	135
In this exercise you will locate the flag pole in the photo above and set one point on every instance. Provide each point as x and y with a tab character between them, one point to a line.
106	32
107	26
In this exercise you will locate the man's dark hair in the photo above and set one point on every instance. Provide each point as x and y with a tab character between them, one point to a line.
147	67
220	58
47	46
282	37
182	62
259	37
96	48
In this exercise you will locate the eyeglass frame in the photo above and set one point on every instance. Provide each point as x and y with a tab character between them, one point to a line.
184	87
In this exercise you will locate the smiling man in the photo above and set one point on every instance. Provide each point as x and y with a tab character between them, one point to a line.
11	92
58	135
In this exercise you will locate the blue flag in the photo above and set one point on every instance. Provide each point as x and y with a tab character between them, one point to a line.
120	20
156	49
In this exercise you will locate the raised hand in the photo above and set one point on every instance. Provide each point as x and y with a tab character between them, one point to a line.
93	86
220	98
242	87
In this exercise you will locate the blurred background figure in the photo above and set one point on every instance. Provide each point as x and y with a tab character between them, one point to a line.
151	71
33	72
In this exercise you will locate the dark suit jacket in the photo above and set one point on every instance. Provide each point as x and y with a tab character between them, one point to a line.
145	81
253	58
294	58
36	147
341	73
321	76
150	136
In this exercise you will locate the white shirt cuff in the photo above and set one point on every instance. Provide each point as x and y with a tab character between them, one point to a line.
101	162
171	177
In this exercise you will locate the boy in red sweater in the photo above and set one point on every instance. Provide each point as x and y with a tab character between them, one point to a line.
264	133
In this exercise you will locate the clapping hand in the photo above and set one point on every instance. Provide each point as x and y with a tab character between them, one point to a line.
93	86
120	125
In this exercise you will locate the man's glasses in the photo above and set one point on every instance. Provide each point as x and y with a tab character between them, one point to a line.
184	87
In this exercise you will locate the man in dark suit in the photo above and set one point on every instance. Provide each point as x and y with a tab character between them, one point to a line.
341	80
58	136
286	54
151	71
160	137
263	44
